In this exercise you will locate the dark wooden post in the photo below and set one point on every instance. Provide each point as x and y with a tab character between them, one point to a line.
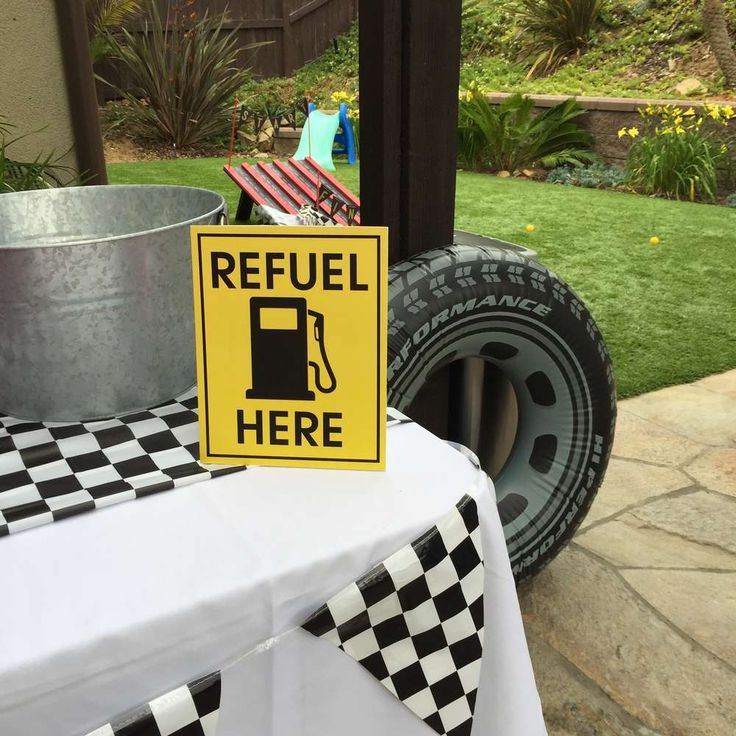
409	76
81	91
380	117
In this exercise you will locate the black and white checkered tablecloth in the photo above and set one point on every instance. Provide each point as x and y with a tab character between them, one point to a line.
52	470
191	710
415	621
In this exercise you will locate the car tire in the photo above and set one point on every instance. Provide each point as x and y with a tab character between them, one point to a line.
490	302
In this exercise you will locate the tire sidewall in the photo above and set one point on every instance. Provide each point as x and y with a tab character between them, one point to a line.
438	298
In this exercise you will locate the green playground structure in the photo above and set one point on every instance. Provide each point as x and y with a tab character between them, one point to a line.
326	134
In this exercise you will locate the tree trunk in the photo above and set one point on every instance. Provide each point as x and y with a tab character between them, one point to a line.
715	25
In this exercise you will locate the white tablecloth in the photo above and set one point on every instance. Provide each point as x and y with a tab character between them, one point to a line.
104	611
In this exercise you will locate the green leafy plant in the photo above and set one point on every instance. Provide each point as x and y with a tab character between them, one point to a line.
678	154
553	31
336	68
102	17
510	136
487	28
43	172
593	176
185	74
731	200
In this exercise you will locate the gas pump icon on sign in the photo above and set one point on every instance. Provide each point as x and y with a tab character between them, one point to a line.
279	350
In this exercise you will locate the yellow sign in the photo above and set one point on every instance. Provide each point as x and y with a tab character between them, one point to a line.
291	345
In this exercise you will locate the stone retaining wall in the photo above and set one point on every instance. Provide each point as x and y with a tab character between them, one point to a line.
605	117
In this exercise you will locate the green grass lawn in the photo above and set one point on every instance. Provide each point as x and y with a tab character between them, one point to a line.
668	313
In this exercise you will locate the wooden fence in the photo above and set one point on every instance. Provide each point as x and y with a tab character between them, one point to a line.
299	31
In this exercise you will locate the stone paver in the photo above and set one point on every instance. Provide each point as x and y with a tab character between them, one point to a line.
702	517
692	411
630	483
629	542
574	705
640	439
722	383
702	604
633	627
585	610
715	469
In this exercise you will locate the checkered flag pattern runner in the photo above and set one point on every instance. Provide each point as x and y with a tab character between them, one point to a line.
415	621
191	710
52	470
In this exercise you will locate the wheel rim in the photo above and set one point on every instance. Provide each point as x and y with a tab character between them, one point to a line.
552	441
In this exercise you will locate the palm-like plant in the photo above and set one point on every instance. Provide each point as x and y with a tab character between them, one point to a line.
715	25
553	31
184	73
509	136
102	17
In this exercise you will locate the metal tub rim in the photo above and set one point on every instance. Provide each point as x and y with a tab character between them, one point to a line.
221	207
96	312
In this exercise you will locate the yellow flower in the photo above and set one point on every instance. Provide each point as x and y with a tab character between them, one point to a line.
679	130
654	240
690	112
341	96
530	228
633	132
668	131
727	112
622	133
678	120
714	111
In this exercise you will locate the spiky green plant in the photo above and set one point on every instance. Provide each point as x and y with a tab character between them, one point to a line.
553	31
43	172
509	136
184	73
102	17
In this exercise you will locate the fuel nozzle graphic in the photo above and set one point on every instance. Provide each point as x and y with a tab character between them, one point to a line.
279	350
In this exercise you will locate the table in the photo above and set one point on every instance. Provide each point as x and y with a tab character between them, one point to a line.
105	611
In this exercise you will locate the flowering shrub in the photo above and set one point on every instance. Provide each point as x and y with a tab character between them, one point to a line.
678	154
350	100
342	96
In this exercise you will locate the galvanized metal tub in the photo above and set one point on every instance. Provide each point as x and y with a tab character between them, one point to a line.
96	314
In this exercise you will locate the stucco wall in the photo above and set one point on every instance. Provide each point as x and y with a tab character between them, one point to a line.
32	84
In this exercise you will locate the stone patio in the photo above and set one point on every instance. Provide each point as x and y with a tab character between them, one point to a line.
632	629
